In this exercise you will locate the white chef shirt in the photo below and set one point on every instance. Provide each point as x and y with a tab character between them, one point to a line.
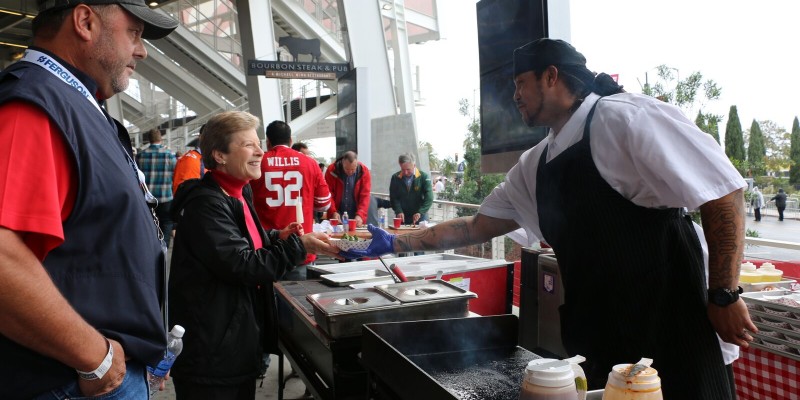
646	150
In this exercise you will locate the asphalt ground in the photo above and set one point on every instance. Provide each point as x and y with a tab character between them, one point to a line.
769	227
266	390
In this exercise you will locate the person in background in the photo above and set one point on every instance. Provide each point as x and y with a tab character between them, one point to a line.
757	202
350	184
410	191
190	165
607	190
158	164
780	202
438	187
224	264
82	263
303	148
289	177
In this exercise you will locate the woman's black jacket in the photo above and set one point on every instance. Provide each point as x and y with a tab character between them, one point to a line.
220	289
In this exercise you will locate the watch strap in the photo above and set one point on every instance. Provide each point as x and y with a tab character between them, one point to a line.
724	296
101	370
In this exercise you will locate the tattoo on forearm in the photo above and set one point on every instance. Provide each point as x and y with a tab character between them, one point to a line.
452	234
724	224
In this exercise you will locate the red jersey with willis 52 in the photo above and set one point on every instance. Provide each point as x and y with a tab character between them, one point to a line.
289	177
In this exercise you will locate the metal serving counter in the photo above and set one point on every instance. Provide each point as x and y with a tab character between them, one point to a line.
328	363
491	280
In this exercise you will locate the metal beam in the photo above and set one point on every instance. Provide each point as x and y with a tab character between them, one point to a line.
204	62
189	89
305	25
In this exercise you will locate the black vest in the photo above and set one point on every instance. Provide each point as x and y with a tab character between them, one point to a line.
110	266
633	277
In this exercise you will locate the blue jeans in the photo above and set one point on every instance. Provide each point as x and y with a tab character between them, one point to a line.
133	387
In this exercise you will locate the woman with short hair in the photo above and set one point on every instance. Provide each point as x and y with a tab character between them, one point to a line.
224	264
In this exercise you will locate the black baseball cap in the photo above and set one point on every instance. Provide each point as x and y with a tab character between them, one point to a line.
156	25
544	52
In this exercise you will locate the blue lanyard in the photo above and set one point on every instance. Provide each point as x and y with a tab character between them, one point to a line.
49	64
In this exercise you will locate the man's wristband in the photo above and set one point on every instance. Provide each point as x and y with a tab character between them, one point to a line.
100	371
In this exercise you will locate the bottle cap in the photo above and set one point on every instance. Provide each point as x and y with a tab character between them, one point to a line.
646	380
177	331
548	372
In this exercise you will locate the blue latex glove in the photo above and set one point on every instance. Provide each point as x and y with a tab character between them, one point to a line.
382	243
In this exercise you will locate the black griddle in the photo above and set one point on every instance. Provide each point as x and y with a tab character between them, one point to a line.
461	358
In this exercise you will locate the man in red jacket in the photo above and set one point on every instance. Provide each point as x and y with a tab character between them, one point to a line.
350	184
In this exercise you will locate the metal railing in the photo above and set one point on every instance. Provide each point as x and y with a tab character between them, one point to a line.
446	210
215	22
326	13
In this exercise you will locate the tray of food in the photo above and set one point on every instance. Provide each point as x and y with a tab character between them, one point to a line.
350	242
776	346
777	317
790	336
406	228
782	300
784	284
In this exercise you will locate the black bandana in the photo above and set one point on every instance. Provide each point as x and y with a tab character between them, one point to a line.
543	52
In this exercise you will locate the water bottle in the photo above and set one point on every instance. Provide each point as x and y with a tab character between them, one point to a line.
345	221
174	346
383	218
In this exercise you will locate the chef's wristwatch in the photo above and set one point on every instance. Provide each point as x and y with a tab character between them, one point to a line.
724	296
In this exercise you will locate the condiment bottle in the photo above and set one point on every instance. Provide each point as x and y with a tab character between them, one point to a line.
748	273
769	273
645	385
550	379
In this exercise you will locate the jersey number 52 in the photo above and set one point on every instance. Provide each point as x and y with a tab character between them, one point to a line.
286	185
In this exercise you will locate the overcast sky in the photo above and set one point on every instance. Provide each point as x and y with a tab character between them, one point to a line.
748	48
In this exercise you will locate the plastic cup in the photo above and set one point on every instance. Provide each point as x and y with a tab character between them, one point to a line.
351	225
397	223
334	222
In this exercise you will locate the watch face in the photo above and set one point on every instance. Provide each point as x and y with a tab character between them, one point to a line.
722	297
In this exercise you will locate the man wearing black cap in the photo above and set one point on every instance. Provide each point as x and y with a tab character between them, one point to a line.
82	261
607	190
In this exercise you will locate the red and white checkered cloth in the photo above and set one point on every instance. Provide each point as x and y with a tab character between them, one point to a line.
761	375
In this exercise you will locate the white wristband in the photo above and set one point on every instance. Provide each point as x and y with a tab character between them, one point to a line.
100	371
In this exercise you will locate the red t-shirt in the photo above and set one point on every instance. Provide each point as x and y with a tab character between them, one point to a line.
286	175
38	183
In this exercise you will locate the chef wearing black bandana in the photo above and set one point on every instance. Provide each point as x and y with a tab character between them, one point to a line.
607	189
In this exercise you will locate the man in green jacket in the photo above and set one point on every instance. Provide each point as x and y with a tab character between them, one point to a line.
410	192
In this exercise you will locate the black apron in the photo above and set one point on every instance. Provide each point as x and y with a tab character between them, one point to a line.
633	279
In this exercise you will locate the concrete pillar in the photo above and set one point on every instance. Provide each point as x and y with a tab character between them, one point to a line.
258	43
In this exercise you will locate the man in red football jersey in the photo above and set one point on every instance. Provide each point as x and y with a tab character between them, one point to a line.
289	176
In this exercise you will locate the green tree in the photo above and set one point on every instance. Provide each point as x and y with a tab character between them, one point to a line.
708	123
734	142
777	146
433	160
756	152
712	121
794	153
700	121
476	185
683	93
